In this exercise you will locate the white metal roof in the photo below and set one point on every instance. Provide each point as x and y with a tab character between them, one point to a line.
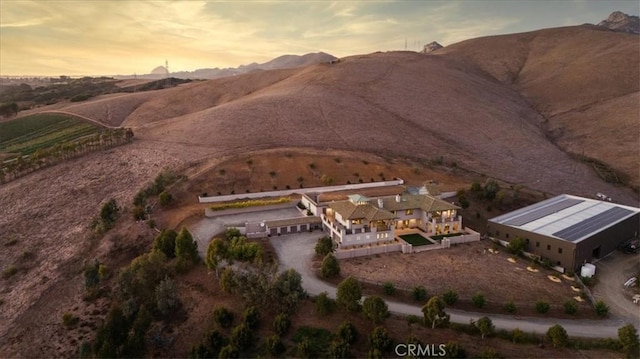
567	217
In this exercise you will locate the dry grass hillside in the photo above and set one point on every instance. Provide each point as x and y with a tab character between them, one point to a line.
584	80
396	104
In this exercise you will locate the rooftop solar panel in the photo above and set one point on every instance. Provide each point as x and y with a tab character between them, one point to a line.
580	229
542	212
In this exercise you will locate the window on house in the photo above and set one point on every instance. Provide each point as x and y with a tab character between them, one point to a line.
558	263
548	247
560	250
497	233
507	235
537	244
526	240
409	212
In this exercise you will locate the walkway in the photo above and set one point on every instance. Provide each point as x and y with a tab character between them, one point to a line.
296	251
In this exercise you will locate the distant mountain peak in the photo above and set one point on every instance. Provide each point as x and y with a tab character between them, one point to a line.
619	21
430	47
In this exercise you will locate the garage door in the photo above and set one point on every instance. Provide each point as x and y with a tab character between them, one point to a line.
284	230
273	231
303	228
294	229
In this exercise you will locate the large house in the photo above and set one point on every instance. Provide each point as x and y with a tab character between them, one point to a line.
359	220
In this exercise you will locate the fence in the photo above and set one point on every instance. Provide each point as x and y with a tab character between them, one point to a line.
366	251
208	212
233	197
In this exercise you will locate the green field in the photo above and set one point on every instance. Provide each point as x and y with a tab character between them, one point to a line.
415	239
24	136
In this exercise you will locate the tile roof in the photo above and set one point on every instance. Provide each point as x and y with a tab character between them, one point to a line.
349	210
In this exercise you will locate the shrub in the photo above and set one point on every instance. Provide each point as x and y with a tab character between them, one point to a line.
478	300
486	327
330	266
251	317
379	339
570	307
347	332
517	336
281	324
339	349
388	288
542	307
241	336
324	304
516	246
274	345
558	336
419	293
510	307
450	297
223	317
349	294
228	351
628	338
69	320
249	203
454	350
375	308
324	246
166	296
601	309
165	198
138	213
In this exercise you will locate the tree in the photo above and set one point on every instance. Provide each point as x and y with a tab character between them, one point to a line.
628	337
379	339
478	299
339	349
330	266
109	213
166	243
419	293
216	251
454	350
434	313
324	304
9	109
251	317
186	247
223	316
281	324
275	345
286	290
485	325
349	293
166	296
375	309
347	332
517	336
165	198
228	351
558	336
324	246
516	246
491	189
601	309
241	336
91	275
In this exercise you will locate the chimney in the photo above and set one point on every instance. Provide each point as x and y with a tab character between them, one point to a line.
380	203
398	198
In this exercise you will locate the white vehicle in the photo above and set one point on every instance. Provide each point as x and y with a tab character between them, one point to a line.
631	282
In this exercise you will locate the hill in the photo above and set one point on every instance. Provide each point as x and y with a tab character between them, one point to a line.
462	106
583	80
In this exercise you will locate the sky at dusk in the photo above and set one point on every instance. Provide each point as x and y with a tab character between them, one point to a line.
102	37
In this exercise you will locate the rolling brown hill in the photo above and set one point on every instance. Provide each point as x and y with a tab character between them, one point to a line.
584	80
506	106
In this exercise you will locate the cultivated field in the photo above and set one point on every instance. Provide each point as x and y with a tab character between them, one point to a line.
25	135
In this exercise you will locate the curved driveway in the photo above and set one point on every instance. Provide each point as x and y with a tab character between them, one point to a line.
296	251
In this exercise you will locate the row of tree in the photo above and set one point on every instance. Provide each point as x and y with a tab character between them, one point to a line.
45	157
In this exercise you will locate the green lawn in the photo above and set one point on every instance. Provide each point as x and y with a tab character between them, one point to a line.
26	135
415	239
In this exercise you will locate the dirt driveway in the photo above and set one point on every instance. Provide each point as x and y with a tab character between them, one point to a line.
611	272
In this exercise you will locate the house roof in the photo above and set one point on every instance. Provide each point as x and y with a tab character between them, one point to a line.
566	217
415	201
349	210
